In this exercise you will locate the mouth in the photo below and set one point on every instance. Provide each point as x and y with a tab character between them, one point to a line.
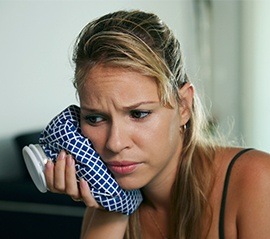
123	168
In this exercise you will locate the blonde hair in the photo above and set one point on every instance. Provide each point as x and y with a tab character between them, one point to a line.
142	42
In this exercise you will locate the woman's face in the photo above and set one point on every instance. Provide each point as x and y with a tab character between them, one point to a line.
136	136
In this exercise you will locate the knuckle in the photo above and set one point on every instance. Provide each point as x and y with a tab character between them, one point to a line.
59	187
72	194
91	202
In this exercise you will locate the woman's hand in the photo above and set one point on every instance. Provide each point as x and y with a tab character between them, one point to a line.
97	223
61	178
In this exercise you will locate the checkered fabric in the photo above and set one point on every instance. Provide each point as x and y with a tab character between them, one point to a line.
63	132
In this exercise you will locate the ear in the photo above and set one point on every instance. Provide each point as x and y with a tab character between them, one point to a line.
186	95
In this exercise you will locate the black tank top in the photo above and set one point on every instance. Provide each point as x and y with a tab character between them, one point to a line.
224	194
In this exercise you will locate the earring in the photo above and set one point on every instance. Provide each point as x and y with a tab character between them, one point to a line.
183	128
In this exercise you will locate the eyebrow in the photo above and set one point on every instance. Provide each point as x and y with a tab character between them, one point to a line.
139	104
129	107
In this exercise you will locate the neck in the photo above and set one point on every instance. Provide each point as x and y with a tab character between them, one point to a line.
158	195
155	217
155	209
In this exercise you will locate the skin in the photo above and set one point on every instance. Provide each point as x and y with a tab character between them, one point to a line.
247	205
122	115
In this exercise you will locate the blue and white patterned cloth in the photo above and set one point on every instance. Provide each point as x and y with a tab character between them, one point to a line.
64	132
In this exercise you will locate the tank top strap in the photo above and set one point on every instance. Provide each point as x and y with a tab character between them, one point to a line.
225	190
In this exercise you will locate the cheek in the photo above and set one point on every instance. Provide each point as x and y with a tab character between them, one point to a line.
169	137
163	133
174	134
96	137
84	128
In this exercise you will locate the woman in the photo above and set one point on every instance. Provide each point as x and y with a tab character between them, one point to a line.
143	117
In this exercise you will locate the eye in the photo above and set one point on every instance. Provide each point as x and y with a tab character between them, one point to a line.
93	119
139	114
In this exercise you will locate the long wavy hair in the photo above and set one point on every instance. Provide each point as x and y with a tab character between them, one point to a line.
142	42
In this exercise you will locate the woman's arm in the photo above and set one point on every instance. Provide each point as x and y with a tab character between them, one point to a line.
100	224
97	222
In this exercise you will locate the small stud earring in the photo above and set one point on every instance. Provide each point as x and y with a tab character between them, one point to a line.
183	129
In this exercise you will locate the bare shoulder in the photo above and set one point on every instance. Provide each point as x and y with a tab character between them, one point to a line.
249	194
248	163
250	171
253	168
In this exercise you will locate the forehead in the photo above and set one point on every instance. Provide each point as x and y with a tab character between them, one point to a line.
120	83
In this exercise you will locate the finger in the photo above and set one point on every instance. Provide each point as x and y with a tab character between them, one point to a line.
49	175
79	199
71	180
87	195
59	172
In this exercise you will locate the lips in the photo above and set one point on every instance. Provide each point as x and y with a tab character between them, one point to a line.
123	167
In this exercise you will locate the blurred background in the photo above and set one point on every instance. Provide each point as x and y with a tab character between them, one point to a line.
225	43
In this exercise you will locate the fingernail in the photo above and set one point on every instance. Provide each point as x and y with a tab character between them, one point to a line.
70	160
61	155
49	164
83	182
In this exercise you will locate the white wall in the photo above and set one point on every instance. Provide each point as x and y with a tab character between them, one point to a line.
36	44
225	63
255	73
238	86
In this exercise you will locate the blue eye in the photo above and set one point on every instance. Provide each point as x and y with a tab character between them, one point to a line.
139	114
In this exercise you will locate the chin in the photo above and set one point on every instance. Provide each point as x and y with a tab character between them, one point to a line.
128	187
124	184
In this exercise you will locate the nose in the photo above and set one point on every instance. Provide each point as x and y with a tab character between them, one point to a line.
118	138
